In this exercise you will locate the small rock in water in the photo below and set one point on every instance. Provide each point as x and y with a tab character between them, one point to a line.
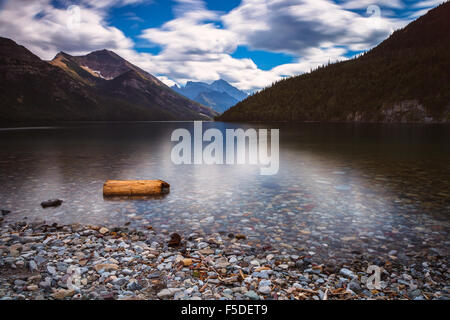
63	293
32	287
133	285
45	284
346	272
355	287
414	294
103	230
51	203
106	267
32	265
51	270
165	293
252	295
175	240
187	262
265	290
265	286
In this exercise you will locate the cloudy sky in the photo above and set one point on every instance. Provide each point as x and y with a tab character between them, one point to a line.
250	43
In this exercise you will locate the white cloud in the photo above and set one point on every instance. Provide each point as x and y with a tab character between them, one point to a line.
314	58
424	6
194	47
428	3
107	3
46	30
362	4
295	26
167	81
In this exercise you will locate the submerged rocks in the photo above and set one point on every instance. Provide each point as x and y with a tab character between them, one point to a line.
354	286
175	240
346	272
106	267
82	262
265	286
165	293
252	295
187	262
63	293
134	285
103	230
33	266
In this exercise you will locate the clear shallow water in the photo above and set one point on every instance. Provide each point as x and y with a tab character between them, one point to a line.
370	187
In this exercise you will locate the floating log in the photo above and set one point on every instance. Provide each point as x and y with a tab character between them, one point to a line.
130	188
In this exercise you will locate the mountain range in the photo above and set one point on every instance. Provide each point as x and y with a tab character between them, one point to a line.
406	78
97	86
219	95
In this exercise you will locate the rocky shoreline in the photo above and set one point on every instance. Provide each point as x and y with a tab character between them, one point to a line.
40	261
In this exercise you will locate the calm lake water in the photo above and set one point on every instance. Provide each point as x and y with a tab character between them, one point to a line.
364	185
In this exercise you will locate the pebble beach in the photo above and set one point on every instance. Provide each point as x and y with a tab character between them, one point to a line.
40	261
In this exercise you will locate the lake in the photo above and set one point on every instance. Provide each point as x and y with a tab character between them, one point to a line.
340	187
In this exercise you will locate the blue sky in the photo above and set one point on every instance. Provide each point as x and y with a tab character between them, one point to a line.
250	43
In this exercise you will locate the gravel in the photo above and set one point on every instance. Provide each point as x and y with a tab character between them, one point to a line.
61	262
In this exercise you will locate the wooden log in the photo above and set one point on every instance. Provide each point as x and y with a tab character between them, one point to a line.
130	188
